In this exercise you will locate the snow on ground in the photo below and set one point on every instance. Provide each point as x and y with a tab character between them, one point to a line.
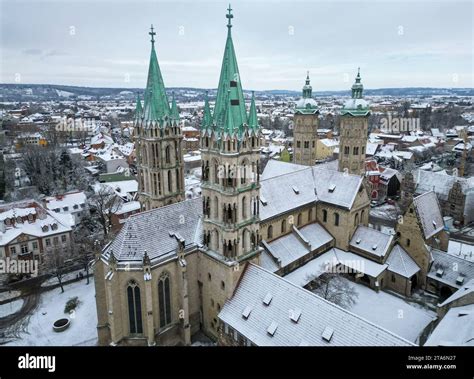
9	295
391	312
69	276
82	330
385	211
11	307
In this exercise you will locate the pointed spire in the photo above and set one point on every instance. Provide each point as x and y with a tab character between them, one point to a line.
174	109
207	117
307	89
138	108
357	87
156	104
253	120
229	92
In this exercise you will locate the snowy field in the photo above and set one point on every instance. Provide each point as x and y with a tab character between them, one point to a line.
391	312
82	330
11	307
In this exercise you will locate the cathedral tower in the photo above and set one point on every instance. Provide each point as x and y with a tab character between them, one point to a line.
158	142
306	122
230	149
353	131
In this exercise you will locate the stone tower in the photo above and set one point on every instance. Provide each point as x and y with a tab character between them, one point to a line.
353	130
158	142
306	122
230	150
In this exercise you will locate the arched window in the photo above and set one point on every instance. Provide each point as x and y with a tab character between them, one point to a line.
325	215
336	219
362	216
244	207
170	183
283	226
299	220
134	308
167	154
408	242
356	219
164	299
270	232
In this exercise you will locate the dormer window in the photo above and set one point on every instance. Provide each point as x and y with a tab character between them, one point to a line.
45	228
19	220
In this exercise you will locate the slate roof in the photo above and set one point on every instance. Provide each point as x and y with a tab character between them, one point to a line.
291	247
429	213
401	263
455	329
461	292
277	168
449	263
317	315
312	184
440	183
150	231
366	239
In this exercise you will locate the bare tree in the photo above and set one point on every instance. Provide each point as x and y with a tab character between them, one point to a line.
105	203
335	288
55	262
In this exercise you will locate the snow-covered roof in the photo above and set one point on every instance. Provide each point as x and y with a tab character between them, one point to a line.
359	263
461	249
298	243
277	168
401	263
67	200
445	263
429	213
151	230
371	241
315	316
466	289
455	329
128	207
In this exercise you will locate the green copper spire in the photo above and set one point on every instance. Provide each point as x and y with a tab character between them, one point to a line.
174	109
307	89
207	117
357	87
253	120
156	105
229	127
138	108
356	106
230	97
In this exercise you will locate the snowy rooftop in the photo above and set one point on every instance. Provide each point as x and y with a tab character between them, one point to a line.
401	263
446	264
467	289
68	200
371	241
315	316
151	230
455	329
429	213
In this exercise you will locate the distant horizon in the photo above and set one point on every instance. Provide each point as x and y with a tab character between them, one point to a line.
244	89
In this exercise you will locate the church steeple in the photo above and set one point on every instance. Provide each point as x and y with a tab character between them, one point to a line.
156	105
357	87
138	108
307	89
253	121
207	117
174	109
229	92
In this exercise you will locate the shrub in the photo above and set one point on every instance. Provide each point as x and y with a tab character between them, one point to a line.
71	304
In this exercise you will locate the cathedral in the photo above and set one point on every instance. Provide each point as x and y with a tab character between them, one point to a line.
229	264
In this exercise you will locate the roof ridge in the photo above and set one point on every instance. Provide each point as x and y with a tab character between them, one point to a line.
328	302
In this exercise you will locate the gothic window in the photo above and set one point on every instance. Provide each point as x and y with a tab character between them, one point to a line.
270	232
356	151
356	219
228	145
306	144
325	215
346	150
283	226
167	154
170	184
134	308
164	298
298	144
336	219
158	184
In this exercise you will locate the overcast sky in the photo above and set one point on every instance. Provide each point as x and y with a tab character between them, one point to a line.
106	43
